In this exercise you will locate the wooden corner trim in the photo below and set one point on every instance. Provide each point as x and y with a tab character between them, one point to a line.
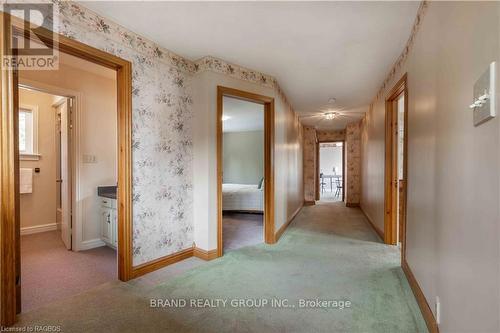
379	232
204	254
430	321
161	262
282	229
172	259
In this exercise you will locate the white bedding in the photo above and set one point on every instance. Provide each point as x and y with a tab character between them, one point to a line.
242	197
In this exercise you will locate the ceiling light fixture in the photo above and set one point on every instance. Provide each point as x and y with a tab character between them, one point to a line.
332	100
330	115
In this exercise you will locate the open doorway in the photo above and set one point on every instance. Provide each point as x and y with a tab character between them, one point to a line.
331	171
396	165
245	182
10	255
243	173
67	153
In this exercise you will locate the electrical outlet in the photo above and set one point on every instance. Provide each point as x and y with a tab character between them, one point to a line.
438	310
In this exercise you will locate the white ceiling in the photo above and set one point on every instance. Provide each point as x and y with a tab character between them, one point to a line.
316	50
242	116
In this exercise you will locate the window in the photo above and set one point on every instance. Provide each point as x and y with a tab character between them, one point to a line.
28	131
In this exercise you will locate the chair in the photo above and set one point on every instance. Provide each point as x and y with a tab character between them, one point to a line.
322	183
338	182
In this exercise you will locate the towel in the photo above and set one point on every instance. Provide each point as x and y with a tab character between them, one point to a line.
26	180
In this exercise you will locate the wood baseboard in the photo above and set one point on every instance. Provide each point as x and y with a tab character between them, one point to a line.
379	232
282	229
161	262
309	203
430	321
204	254
351	204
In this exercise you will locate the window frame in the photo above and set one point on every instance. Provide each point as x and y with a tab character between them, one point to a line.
32	155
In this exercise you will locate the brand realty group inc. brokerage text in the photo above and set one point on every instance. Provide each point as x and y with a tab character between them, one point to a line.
249	303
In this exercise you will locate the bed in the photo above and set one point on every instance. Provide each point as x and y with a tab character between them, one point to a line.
242	197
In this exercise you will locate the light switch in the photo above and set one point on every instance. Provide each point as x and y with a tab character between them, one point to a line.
89	158
484	101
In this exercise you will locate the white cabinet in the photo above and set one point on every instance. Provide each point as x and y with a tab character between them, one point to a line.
109	225
106	225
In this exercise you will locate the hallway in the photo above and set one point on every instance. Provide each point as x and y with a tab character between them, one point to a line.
329	252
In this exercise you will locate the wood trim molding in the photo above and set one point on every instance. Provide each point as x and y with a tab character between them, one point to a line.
204	254
429	318
268	102
124	106
282	229
161	262
173	258
9	200
9	156
309	203
379	232
390	168
351	204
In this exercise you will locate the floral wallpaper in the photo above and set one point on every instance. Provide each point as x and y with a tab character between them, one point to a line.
352	137
353	163
309	163
422	9
223	67
161	131
162	115
324	136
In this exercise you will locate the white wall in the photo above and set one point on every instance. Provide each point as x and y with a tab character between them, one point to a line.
288	155
453	167
98	134
243	157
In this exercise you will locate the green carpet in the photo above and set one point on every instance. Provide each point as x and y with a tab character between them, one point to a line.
329	253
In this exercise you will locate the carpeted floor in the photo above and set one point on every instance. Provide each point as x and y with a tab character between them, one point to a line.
50	273
328	195
329	252
241	229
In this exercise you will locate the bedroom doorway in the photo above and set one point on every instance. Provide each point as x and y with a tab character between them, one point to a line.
245	184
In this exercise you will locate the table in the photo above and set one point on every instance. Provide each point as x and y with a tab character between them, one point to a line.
331	177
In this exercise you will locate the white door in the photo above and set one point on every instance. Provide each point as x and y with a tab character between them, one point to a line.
66	172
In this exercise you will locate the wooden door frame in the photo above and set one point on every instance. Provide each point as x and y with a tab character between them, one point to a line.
268	102
391	172
77	97
318	169
9	161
